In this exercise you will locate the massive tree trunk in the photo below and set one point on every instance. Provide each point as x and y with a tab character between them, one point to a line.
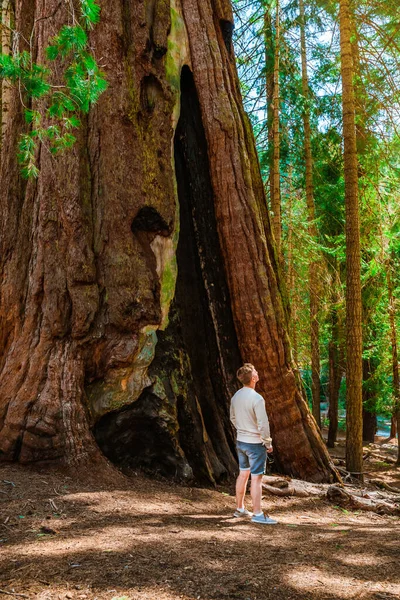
90	257
354	461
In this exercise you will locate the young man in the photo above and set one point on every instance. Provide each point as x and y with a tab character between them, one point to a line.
249	417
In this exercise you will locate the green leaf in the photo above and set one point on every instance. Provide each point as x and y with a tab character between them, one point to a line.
30	171
52	52
70	39
84	85
9	68
72	122
33	117
53	132
62	143
90	13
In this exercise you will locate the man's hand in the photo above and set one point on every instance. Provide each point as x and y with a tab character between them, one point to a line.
270	450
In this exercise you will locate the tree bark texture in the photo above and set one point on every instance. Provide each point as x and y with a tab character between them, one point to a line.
291	286
314	266
7	23
395	421
393	426
335	371
90	262
276	172
353	261
269	91
369	401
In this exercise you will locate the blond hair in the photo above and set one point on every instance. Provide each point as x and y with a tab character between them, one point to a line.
245	373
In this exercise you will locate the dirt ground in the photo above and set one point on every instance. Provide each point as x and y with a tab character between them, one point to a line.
140	539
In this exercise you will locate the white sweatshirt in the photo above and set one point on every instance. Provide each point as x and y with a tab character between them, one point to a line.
249	416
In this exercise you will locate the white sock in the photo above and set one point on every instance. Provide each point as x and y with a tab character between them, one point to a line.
240	509
258	514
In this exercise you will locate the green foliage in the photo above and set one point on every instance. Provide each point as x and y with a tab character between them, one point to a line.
70	41
377	86
90	13
58	113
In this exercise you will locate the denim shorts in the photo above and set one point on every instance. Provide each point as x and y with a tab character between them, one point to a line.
252	457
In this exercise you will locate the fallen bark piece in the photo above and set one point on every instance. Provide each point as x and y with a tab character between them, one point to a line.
13	594
385	486
277	486
380	457
343	498
276	481
289	491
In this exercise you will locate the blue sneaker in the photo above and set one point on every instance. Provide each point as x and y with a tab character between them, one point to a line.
263	519
242	513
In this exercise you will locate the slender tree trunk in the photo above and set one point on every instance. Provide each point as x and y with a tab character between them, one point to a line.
275	175
353	262
269	90
335	372
369	396
89	254
369	400
333	395
314	266
7	22
393	427
291	283
395	358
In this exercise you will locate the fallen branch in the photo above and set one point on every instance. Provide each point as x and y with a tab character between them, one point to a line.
13	594
277	486
385	486
343	498
289	491
380	457
278	482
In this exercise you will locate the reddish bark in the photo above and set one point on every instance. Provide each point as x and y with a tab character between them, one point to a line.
83	253
354	454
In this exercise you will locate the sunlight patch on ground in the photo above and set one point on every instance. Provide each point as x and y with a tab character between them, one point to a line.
311	579
363	560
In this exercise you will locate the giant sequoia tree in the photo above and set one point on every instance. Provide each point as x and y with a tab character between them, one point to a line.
138	270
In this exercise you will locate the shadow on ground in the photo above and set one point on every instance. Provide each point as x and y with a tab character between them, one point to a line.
155	541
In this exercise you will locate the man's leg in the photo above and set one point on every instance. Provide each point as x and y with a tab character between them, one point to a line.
241	484
256	493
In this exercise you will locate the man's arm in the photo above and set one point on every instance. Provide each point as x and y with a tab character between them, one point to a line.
233	416
262	422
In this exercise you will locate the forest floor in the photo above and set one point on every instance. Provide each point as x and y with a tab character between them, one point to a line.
141	539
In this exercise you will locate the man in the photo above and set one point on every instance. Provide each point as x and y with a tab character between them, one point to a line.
249	417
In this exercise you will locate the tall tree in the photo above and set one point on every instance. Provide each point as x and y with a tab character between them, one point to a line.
335	366
313	275
89	254
354	461
7	22
275	173
393	339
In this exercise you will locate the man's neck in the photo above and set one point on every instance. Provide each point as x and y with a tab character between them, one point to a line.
251	385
